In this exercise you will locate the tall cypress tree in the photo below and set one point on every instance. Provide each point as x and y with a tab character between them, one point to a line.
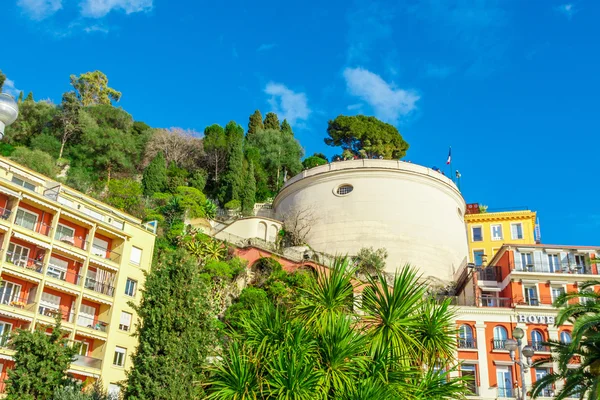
177	331
234	175
271	121
256	123
285	127
249	193
155	175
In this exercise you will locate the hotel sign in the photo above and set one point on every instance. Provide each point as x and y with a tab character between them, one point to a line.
536	319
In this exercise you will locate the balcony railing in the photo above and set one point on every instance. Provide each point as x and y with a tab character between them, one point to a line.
502	302
539	346
506	393
40	227
52	312
467	343
499	344
20	301
66	276
488	274
25	262
75	241
105	253
99	287
558	268
92	323
5	213
87	362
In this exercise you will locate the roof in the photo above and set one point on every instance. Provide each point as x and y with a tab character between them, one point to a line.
501	215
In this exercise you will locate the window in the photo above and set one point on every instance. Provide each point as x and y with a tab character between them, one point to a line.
26	219
25	184
17	255
49	304
87	316
536	340
580	263
565	337
65	234
531	297
500	336
9	292
516	231
125	323
99	247
469	372
497	232
119	358
554	262
478	257
556	292
527	261
136	255
505	383
130	287
465	337
539	374
5	329
477	233
82	348
344	189
57	268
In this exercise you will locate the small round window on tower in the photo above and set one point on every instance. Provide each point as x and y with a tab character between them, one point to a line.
343	190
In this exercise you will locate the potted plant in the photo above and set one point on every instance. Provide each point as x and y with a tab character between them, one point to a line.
233	207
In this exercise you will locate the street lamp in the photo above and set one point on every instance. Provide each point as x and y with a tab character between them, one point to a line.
9	111
514	345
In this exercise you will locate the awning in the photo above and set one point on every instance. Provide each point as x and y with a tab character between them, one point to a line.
9	192
31	240
40	202
28	278
15	315
75	217
61	288
490	288
70	252
4	228
92	297
504	363
6	357
112	233
86	333
103	264
78	372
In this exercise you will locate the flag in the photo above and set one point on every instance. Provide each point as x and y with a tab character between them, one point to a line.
449	160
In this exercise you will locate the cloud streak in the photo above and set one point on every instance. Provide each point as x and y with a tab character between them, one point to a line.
388	102
99	8
266	47
567	9
287	104
39	9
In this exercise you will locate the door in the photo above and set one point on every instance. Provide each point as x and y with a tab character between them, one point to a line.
554	261
539	374
57	268
86	316
100	247
505	383
9	292
17	255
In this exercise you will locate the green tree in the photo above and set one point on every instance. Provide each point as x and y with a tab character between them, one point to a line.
249	191
29	97
37	160
125	194
578	359
20	99
92	88
256	123
369	261
176	177
366	137
35	118
155	175
215	146
285	127
68	118
41	362
231	185
177	331
271	121
2	80
198	179
313	161
280	155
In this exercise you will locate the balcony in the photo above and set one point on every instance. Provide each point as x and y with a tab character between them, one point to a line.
506	393
467	343
560	268
19	302
87	362
39	227
92	323
499	344
534	301
488	274
19	260
539	347
5	213
99	287
500	302
53	312
78	242
102	252
65	276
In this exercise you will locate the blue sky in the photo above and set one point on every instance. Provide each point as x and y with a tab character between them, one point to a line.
511	85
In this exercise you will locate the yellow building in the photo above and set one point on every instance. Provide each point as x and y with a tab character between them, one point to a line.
488	231
65	253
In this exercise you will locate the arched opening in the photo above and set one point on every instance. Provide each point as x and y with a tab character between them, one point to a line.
465	337
500	336
262	231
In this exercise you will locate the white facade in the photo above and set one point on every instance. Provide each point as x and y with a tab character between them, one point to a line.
414	212
262	228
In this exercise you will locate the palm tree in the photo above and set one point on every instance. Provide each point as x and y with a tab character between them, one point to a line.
321	348
579	360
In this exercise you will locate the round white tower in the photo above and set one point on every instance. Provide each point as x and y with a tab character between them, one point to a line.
414	212
9	111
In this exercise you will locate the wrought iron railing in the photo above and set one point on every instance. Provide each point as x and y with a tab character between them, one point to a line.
34	264
99	287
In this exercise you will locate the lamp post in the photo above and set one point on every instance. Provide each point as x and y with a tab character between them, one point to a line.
9	111
514	345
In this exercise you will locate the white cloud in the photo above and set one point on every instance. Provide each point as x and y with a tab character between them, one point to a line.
353	107
286	103
439	71
40	9
99	8
388	102
567	9
9	87
96	29
266	47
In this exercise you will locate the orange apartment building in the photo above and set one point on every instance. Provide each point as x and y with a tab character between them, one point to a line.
515	289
